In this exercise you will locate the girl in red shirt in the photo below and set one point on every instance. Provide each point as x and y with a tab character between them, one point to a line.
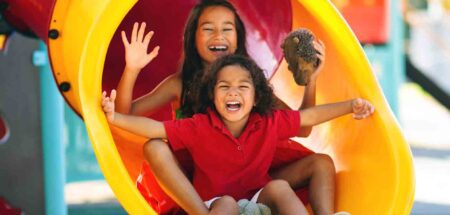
235	106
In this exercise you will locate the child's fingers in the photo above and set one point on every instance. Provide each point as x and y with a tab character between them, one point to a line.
141	32
359	108
319	49
361	115
148	37
367	106
134	32
357	103
124	39
322	44
154	53
106	109
113	96
356	116
106	102
365	111
321	57
104	99
369	110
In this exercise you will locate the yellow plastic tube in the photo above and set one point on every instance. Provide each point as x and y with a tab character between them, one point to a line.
77	56
373	161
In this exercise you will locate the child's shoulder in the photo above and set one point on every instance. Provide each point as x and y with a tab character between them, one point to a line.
200	116
195	122
174	79
278	112
283	114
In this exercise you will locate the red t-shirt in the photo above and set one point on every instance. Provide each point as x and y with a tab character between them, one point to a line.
225	165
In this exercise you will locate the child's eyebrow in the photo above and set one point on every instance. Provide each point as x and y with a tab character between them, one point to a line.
209	22
222	81
229	23
205	23
246	81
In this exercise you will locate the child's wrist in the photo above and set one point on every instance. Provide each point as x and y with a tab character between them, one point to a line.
132	70
352	103
113	118
312	81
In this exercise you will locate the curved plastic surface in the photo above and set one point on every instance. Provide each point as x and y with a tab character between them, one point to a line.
374	164
77	57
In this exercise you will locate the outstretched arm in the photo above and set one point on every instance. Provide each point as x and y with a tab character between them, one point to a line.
136	58
139	125
315	115
309	96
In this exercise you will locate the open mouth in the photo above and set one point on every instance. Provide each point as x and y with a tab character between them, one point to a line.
218	48
233	106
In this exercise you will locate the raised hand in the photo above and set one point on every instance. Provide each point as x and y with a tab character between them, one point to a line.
108	105
320	53
136	50
362	108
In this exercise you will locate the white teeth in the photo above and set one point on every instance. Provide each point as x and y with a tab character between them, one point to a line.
218	48
233	103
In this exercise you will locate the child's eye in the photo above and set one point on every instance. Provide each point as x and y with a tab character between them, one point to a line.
223	87
244	87
227	29
208	29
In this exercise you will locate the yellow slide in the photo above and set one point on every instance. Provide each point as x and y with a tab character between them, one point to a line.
373	161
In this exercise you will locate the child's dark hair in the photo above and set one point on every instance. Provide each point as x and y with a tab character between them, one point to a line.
264	97
192	66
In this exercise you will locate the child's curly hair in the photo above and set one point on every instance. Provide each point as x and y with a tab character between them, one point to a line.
264	97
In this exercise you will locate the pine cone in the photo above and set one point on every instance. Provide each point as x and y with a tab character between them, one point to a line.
300	54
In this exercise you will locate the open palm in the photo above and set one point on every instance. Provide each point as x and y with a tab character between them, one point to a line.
136	54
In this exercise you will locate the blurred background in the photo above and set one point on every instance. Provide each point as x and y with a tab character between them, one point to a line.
406	43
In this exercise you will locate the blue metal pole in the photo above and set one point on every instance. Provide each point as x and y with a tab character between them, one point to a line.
52	124
398	54
388	59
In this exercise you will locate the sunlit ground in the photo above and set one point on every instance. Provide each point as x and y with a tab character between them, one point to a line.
426	125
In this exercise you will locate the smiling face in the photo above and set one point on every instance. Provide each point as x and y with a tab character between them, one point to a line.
234	95
216	33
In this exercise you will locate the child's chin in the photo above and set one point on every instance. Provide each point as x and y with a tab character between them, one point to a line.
232	117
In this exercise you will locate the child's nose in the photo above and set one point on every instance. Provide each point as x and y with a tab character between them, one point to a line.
218	35
233	91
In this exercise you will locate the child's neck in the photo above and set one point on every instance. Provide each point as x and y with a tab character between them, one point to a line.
235	128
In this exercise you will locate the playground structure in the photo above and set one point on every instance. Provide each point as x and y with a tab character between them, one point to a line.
373	161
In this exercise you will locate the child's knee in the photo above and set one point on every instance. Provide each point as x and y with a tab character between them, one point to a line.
156	151
276	186
225	205
228	200
323	162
